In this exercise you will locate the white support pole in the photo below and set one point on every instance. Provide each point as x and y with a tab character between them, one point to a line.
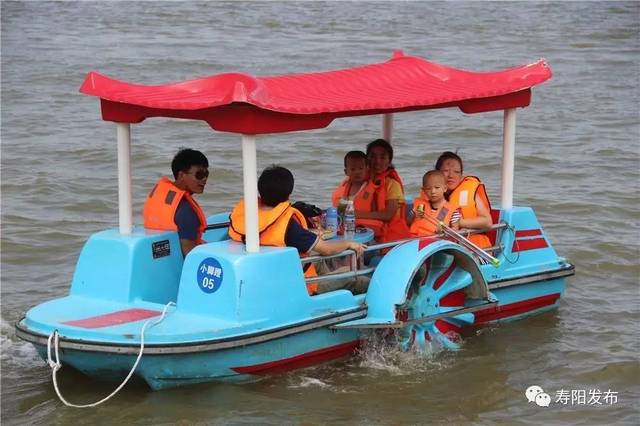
387	127
508	157
124	178
250	180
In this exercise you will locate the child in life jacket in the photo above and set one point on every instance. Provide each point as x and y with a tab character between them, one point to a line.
356	169
431	202
358	188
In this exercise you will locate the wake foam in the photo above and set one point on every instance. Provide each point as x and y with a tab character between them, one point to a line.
380	350
16	353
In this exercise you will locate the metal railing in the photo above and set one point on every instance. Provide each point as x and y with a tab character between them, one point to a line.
356	271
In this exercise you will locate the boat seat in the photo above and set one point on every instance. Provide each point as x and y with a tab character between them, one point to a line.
219	233
145	265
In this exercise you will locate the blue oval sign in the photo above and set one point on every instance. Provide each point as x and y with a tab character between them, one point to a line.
209	275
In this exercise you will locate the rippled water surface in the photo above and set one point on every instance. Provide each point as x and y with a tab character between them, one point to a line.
578	151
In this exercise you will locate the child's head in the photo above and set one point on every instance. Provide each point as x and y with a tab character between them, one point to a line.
434	185
355	165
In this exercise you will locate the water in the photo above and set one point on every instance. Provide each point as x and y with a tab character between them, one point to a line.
577	165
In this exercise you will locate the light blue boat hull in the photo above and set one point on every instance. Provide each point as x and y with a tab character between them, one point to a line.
239	316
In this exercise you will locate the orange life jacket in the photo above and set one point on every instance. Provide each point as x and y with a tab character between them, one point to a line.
160	208
272	227
422	226
396	228
364	200
464	198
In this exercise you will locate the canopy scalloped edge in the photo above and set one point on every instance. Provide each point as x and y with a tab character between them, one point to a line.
241	103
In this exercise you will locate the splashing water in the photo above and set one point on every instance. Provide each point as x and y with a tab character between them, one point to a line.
380	351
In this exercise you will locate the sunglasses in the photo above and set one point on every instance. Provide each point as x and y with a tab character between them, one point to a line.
201	174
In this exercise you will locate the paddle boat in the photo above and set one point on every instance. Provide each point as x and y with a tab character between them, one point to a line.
234	311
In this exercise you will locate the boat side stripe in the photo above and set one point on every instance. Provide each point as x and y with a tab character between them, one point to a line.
516	308
532	244
528	232
528	279
299	361
192	347
113	318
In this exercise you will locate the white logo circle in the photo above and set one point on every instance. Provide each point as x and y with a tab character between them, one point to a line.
532	392
543	399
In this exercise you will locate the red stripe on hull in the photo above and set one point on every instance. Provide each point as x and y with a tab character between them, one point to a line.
528	232
513	309
114	318
300	361
524	245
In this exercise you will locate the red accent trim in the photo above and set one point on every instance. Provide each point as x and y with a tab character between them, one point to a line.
514	309
495	217
445	327
524	245
423	242
299	361
442	278
402	315
528	232
114	318
455	298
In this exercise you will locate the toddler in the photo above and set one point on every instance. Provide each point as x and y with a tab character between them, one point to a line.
433	204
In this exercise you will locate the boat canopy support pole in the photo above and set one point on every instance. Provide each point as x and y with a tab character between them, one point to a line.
250	180
387	127
508	157
125	208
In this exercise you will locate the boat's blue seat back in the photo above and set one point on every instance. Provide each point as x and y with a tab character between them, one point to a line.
143	266
218	234
222	280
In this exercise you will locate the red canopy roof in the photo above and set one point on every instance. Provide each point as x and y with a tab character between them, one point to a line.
242	103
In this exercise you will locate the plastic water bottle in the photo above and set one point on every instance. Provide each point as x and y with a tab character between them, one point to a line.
332	219
349	221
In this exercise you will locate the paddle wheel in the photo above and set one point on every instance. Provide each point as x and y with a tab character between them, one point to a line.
426	290
436	288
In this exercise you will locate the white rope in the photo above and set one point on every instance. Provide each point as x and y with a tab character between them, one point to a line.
55	366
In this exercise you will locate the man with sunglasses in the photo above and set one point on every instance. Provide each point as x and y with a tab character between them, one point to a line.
170	205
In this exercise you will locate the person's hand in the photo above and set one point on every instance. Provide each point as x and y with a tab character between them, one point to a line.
357	247
317	231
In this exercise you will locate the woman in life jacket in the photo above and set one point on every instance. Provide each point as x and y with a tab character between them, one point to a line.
387	189
469	195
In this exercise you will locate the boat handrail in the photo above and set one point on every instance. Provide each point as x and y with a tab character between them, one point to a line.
349	252
341	275
355	271
218	225
496	226
463	232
